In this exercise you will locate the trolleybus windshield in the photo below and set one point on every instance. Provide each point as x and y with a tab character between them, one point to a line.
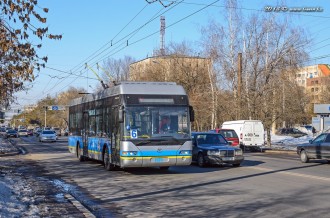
156	124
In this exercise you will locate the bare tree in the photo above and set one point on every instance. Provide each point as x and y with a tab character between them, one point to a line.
270	47
20	24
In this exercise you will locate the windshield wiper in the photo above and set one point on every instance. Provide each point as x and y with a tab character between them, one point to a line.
143	142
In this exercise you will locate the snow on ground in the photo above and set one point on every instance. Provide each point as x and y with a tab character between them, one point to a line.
288	142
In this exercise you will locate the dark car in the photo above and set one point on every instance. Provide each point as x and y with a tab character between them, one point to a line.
11	133
213	148
318	148
291	132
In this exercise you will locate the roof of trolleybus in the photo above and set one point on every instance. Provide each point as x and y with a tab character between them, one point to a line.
136	88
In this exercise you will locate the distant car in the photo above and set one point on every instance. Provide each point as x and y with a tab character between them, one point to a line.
37	133
291	132
230	135
47	135
22	132
57	131
11	133
213	148
318	148
30	132
66	132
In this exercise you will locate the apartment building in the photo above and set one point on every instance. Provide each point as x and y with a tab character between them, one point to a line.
164	68
315	79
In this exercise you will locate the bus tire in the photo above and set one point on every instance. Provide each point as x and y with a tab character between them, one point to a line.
106	160
79	156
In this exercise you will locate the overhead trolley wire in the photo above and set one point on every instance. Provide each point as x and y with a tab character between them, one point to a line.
107	43
156	32
128	35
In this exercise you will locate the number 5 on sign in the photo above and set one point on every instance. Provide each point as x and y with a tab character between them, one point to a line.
134	133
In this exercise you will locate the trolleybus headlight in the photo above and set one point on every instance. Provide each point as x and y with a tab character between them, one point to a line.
129	153
185	152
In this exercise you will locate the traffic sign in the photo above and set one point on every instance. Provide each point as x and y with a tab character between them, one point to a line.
56	108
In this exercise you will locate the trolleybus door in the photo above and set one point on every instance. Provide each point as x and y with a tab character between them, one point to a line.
85	133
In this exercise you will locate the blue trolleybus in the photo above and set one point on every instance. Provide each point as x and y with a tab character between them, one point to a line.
133	124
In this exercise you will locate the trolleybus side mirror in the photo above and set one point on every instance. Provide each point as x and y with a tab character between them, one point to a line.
191	114
121	115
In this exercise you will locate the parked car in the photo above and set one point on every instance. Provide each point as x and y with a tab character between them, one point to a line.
230	135
47	135
318	148
296	133
251	133
213	148
11	133
22	132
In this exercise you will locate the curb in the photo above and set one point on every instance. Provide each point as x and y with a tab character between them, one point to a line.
280	152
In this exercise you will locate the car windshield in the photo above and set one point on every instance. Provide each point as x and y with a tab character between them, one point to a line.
210	139
47	132
22	130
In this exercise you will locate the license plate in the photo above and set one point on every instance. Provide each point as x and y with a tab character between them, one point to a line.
159	160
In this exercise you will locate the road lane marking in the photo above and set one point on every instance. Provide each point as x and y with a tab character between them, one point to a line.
285	172
79	206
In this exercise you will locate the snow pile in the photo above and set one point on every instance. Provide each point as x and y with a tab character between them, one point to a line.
288	142
16	198
6	147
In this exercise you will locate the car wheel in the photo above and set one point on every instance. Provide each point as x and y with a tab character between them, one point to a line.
106	161
303	156
236	164
164	168
200	160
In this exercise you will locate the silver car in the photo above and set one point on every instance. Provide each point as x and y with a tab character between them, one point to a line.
47	135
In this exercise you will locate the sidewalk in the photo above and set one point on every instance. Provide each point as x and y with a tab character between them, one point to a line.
6	148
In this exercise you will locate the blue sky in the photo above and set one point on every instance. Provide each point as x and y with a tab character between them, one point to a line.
89	26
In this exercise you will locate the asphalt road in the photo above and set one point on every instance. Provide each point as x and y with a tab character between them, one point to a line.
267	185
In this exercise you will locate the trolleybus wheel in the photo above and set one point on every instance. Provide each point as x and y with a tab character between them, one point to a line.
106	161
79	156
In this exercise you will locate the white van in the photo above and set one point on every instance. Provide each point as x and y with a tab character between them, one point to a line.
251	133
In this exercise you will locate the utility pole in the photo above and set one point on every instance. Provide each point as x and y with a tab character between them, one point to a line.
46	107
239	86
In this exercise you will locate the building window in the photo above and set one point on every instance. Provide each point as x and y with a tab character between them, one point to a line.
312	89
316	89
316	82
312	82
